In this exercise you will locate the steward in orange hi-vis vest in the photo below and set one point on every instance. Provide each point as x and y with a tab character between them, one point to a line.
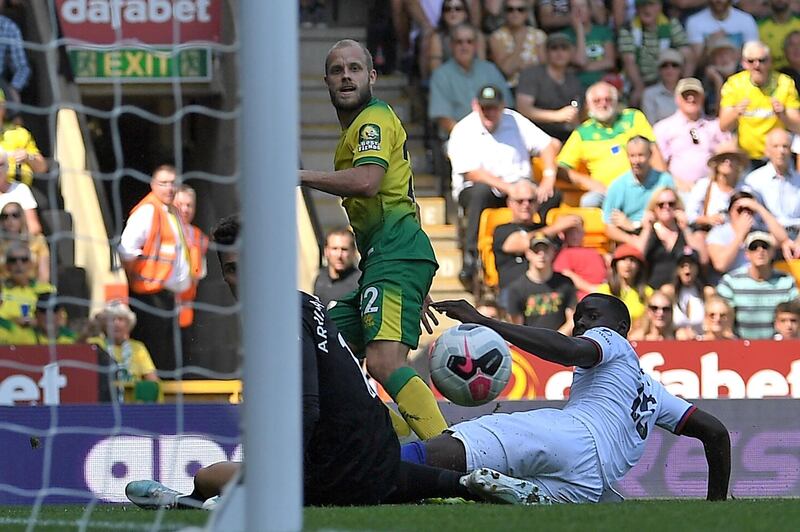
197	244
152	268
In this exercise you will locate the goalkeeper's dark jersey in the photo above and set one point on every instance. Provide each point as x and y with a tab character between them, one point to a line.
351	450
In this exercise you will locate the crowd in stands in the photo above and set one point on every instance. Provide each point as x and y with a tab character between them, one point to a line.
672	126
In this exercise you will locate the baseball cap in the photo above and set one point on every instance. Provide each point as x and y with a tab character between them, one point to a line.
728	149
557	38
689	255
718	42
627	250
759	236
669	55
689	84
43	301
541	238
490	95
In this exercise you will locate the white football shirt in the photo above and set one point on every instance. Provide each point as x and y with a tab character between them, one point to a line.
620	405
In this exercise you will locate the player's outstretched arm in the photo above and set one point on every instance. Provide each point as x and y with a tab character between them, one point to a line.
362	181
547	344
717	444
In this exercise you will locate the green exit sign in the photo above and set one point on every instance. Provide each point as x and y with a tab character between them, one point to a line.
139	65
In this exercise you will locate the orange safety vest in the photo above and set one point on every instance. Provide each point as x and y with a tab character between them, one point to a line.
197	244
153	267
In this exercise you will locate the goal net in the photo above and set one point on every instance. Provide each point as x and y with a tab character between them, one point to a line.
113	91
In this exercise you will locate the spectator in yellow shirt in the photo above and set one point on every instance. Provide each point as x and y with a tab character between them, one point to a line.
20	292
774	29
131	356
23	155
758	100
49	325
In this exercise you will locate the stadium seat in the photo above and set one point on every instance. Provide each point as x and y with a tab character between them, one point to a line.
490	219
570	192
62	246
593	225
70	281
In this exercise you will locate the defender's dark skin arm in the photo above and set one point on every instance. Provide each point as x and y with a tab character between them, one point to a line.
717	444
547	344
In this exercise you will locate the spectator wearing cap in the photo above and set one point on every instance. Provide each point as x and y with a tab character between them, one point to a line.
720	17
687	138
584	266
791	51
773	30
516	44
23	154
708	202
722	60
756	288
132	358
658	101
777	184
511	241
641	42
787	321
627	280
542	297
758	100
664	235
726	242
489	150
455	83
690	291
598	145
50	324
595	52
628	195
21	290
550	95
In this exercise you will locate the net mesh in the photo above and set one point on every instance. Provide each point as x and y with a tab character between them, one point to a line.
117	88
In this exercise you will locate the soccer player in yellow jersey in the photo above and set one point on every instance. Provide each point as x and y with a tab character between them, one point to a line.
757	100
373	176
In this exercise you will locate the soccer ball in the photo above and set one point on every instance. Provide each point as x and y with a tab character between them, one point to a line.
470	364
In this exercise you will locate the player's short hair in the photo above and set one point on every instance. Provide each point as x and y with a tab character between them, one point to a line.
346	43
342	231
620	311
226	233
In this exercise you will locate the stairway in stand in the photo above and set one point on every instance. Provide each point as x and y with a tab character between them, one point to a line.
320	133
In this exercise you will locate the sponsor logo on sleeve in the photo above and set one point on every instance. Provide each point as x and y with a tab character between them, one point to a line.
369	138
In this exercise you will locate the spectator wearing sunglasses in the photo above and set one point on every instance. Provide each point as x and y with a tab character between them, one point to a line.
14	228
758	100
756	288
656	323
726	242
687	138
658	101
20	292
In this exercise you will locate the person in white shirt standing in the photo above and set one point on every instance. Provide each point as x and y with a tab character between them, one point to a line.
576	454
490	149
720	17
156	258
777	184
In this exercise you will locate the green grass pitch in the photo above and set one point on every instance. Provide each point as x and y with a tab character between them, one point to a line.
683	516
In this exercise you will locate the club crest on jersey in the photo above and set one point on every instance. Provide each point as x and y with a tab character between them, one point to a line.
369	138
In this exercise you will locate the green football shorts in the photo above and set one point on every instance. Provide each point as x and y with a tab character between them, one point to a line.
387	304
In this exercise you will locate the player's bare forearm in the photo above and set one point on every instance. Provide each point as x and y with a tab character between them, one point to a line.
361	182
717	445
547	344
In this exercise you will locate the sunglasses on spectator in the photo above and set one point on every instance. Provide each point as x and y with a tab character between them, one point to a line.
518	9
453	8
17	260
754	60
665	204
695	137
12	214
758	245
670	65
656	308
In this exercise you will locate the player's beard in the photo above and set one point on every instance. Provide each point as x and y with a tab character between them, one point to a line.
364	95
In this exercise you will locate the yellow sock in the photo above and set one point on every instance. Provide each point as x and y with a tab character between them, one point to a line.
399	424
416	403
